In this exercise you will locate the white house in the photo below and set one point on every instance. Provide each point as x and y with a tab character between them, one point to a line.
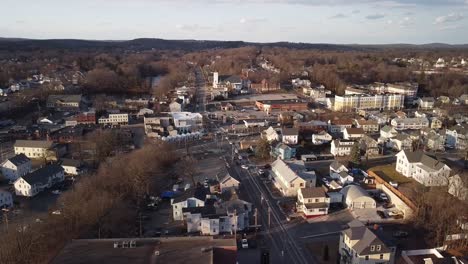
426	102
338	126
175	107
360	245
6	199
144	111
194	197
252	122
369	126
353	133
410	123
15	167
342	177
321	138
457	136
312	201
114	119
271	134
422	168
337	167
458	186
34	149
400	142
38	180
341	147
357	198
71	166
289	177
388	132
228	183
290	135
187	121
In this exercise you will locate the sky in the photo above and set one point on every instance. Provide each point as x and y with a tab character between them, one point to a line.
311	21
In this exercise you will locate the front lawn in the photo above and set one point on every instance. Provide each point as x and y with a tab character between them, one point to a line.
389	174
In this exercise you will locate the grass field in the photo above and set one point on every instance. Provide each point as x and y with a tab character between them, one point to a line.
388	173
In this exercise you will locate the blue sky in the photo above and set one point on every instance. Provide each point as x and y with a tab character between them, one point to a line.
314	21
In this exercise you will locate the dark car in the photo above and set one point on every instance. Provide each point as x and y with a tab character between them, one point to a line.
381	214
400	234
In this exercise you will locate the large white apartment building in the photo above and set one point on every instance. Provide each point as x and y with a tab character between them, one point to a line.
38	180
34	149
348	103
114	119
410	123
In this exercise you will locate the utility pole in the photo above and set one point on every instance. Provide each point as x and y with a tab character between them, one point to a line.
256	222
5	215
269	217
235	224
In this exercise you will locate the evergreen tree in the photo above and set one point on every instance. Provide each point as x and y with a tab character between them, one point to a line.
355	156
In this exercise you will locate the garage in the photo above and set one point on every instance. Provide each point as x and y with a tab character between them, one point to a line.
357	198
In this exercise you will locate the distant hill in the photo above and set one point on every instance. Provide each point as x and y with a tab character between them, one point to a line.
18	44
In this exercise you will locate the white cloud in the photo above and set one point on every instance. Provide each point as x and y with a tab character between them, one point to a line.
359	11
252	20
339	15
406	22
449	27
390	22
375	16
453	17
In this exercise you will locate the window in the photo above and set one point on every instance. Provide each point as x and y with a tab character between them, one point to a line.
367	257
379	247
316	200
372	248
381	256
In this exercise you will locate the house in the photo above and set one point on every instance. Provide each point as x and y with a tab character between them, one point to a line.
369	126
194	197
228	182
187	121
175	107
341	147
457	136
271	134
426	102
401	142
357	198
337	167
342	177
436	123
283	151
226	106
144	112
86	118
387	132
313	126
16	167
253	122
360	245
458	186
410	123
290	135
218	217
6	199
35	149
422	168
72	167
435	141
281	105
321	138
114	119
312	201
64	102
35	182
289	177
339	125
369	146
353	133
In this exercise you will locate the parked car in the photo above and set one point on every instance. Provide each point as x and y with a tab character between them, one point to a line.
245	167
394	213
244	243
400	234
56	212
381	214
388	205
383	197
56	192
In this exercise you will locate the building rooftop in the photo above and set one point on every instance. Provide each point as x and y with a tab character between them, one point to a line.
19	159
313	192
34	144
174	250
42	175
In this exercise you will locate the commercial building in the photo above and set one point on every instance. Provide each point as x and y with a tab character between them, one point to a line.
349	103
281	105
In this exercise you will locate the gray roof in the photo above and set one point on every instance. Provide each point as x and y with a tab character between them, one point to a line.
289	131
419	156
335	165
354	192
366	238
386	128
42	175
34	144
198	192
313	192
71	162
19	159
